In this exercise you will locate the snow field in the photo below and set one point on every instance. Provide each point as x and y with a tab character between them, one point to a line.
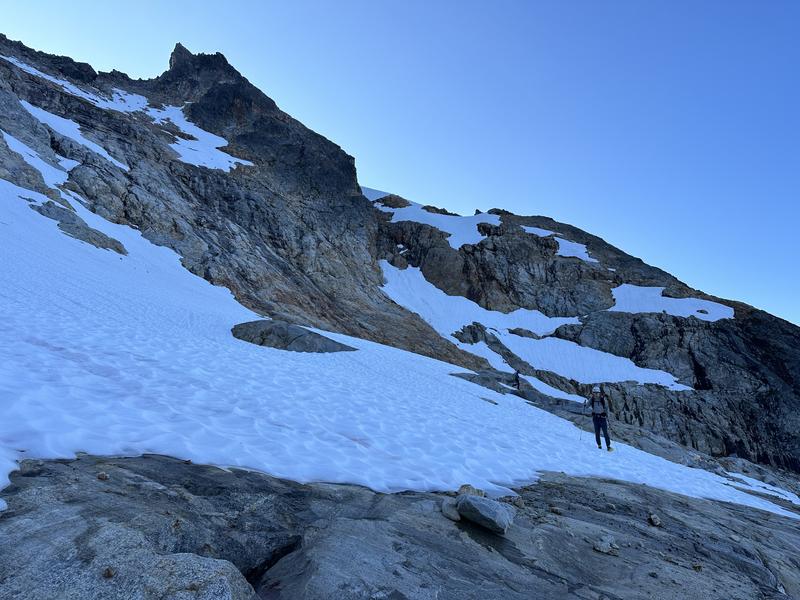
123	355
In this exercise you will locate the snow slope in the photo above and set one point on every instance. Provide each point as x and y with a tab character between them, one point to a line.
111	354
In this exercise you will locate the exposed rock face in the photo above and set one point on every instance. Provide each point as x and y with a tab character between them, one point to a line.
163	528
746	372
285	336
294	239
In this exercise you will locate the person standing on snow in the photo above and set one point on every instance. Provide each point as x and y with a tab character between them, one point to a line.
600	404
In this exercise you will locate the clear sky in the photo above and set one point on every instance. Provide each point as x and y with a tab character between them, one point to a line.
669	128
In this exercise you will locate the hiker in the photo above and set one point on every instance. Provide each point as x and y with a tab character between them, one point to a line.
600	404
516	380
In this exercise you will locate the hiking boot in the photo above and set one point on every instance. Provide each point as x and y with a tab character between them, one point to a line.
599	447
610	449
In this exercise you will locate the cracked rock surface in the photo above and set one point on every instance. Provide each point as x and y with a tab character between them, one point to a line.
158	527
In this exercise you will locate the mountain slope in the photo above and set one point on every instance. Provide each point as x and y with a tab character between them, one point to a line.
142	221
202	162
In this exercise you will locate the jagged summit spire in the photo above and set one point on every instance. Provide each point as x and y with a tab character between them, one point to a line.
179	56
183	60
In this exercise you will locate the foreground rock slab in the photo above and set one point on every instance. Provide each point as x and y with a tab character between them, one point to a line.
156	527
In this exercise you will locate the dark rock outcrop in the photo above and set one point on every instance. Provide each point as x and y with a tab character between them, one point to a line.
163	528
286	336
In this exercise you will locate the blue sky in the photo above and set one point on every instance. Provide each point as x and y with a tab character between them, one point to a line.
671	129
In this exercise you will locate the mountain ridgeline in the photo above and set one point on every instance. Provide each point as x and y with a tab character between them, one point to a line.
274	212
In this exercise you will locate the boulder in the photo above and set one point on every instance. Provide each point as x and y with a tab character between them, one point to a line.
606	545
285	336
450	509
490	514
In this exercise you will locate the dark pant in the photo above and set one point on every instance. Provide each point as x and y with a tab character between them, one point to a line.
601	423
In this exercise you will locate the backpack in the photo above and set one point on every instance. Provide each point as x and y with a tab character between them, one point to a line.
602	401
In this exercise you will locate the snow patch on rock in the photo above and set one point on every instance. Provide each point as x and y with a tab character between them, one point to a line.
372	195
462	230
120	100
638	299
565	247
70	129
447	314
52	176
537	231
583	364
202	148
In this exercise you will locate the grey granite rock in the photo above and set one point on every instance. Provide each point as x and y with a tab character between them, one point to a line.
449	508
286	336
491	514
165	528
